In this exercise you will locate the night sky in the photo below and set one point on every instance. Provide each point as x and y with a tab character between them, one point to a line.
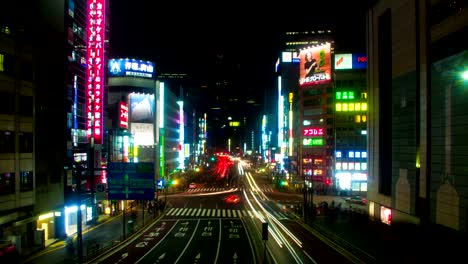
182	36
186	37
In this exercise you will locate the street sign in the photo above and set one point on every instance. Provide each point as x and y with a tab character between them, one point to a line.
130	181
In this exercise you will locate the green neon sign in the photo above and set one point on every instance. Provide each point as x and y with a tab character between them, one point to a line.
312	141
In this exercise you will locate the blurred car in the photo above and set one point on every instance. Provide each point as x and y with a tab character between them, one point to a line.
356	200
192	185
232	199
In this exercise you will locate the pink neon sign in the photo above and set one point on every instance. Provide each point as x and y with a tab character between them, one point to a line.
313	131
95	69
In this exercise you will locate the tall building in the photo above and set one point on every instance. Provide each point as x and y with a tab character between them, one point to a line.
17	166
62	45
350	123
417	113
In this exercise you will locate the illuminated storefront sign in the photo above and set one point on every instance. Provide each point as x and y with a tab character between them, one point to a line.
312	142
131	67
95	69
123	117
312	131
315	65
348	61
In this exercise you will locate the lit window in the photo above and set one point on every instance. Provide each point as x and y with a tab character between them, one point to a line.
338	107
338	165
364	166
351	107
357	166
357	107
351	95
345	107
1	62
357	154
338	95
358	118
345	166
364	118
351	166
345	95
364	106
351	154
364	154
338	154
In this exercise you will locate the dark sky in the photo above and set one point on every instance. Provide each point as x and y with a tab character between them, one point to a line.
186	37
182	36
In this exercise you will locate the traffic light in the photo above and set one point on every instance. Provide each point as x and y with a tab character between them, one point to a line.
174	182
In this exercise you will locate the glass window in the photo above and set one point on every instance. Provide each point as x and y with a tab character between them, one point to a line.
7	141
351	154
26	142
338	107
364	166
338	166
26	106
7	183
338	154
7	106
26	181
364	154
357	166
357	154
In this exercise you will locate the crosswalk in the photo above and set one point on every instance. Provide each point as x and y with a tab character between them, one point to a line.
218	189
216	213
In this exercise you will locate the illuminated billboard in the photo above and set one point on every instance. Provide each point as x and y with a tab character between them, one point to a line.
142	108
348	61
95	69
131	67
142	134
315	65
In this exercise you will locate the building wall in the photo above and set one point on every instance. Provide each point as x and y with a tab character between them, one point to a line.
423	147
16	132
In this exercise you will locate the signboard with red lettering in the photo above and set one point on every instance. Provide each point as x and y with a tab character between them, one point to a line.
123	117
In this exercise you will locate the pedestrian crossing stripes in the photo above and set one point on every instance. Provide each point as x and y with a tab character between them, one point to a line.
216	213
201	190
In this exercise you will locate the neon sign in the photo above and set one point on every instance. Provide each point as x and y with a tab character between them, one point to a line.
95	69
123	117
312	131
312	142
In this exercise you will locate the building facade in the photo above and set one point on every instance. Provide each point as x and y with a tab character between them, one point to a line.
417	113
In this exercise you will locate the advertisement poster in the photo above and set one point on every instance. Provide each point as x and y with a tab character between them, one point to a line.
315	65
142	108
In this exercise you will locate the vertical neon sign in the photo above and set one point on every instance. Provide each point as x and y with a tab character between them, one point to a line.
181	134
95	69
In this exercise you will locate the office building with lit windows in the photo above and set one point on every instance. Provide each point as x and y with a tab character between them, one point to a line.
59	48
350	123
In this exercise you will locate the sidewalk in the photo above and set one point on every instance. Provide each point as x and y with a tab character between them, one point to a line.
105	234
375	242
